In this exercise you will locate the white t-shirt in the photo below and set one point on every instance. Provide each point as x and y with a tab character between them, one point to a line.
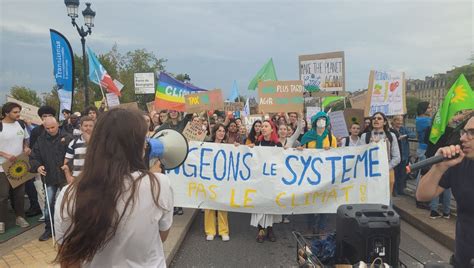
137	242
11	140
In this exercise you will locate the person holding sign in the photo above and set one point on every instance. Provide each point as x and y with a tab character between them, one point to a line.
264	222
218	136
379	130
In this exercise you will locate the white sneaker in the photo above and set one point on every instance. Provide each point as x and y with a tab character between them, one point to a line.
225	238
20	221
2	227
209	237
41	219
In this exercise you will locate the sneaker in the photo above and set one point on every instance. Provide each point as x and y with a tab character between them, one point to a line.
447	215
2	227
41	219
286	220
20	221
225	238
434	215
209	237
261	236
270	235
45	236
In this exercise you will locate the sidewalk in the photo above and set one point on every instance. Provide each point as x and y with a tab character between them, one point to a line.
26	251
441	230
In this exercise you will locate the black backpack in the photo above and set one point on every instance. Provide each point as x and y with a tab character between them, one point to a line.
348	140
21	122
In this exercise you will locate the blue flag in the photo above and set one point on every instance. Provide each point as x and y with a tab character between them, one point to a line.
63	63
235	92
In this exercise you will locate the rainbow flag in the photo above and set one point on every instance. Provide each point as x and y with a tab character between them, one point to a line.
170	93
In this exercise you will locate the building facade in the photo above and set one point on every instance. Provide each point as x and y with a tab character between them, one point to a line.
432	89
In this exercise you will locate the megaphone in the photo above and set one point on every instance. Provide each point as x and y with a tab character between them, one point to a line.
170	146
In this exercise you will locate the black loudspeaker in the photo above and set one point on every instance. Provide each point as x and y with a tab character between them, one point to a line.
367	231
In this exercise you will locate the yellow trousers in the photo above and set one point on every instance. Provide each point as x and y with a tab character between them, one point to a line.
210	222
392	180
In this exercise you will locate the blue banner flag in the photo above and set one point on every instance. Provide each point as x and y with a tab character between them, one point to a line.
235	92
63	62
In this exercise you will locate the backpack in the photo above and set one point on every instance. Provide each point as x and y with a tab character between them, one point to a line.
348	140
21	122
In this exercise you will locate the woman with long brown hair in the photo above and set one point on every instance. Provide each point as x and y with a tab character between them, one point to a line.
116	213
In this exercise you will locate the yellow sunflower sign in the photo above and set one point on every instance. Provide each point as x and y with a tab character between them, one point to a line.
17	172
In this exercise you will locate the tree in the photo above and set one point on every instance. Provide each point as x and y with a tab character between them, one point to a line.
25	94
412	104
52	99
183	77
467	70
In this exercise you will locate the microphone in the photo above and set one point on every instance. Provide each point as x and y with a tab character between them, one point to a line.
427	162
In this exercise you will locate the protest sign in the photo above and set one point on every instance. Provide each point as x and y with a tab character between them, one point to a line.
280	96
28	111
144	83
386	93
353	116
338	124
17	171
112	99
273	180
310	111
128	106
194	132
249	120
233	106
204	101
150	106
323	72
359	101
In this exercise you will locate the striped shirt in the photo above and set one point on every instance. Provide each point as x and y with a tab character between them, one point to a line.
76	150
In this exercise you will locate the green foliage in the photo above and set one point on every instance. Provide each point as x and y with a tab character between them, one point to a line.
467	70
26	95
412	103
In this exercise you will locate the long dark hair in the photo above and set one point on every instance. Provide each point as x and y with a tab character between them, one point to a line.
252	135
116	149
214	130
386	127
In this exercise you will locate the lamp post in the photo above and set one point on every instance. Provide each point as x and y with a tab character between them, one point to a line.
72	11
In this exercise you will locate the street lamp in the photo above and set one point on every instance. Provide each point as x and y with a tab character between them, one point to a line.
72	11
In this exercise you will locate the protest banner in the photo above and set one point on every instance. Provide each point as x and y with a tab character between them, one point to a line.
170	93
273	180
359	101
310	111
17	171
323	72
112	99
204	101
386	93
28	111
249	120
144	83
338	124
233	106
280	96
194	132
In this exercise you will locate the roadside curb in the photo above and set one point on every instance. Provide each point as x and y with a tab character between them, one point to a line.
179	229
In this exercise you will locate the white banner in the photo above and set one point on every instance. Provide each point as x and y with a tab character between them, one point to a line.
387	93
278	181
144	83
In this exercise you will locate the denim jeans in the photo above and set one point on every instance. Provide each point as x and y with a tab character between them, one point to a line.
317	222
446	202
51	191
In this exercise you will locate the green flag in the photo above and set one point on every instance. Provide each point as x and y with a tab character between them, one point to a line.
459	97
267	73
331	99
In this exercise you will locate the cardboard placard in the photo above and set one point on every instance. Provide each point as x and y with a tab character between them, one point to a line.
17	172
233	106
128	106
28	111
204	101
386	93
194	132
359	101
323	72
280	96
354	116
112	100
338	124
150	106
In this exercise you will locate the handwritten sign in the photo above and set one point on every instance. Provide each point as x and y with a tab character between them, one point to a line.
277	181
144	83
194	132
353	116
28	111
386	93
249	120
112	100
338	124
323	72
204	101
280	96
310	111
17	172
233	106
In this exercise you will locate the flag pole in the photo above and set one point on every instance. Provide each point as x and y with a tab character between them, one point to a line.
102	90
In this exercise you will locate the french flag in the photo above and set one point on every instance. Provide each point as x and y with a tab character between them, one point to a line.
99	75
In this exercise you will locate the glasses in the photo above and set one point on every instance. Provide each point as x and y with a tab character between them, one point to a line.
469	133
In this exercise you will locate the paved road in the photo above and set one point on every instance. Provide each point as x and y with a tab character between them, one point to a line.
243	251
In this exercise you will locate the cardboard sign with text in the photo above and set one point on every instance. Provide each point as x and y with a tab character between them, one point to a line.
233	106
280	96
17	172
249	120
354	116
386	93
323	72
338	124
112	100
28	111
194	132
204	101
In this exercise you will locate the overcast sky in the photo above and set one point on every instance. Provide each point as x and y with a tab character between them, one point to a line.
216	42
